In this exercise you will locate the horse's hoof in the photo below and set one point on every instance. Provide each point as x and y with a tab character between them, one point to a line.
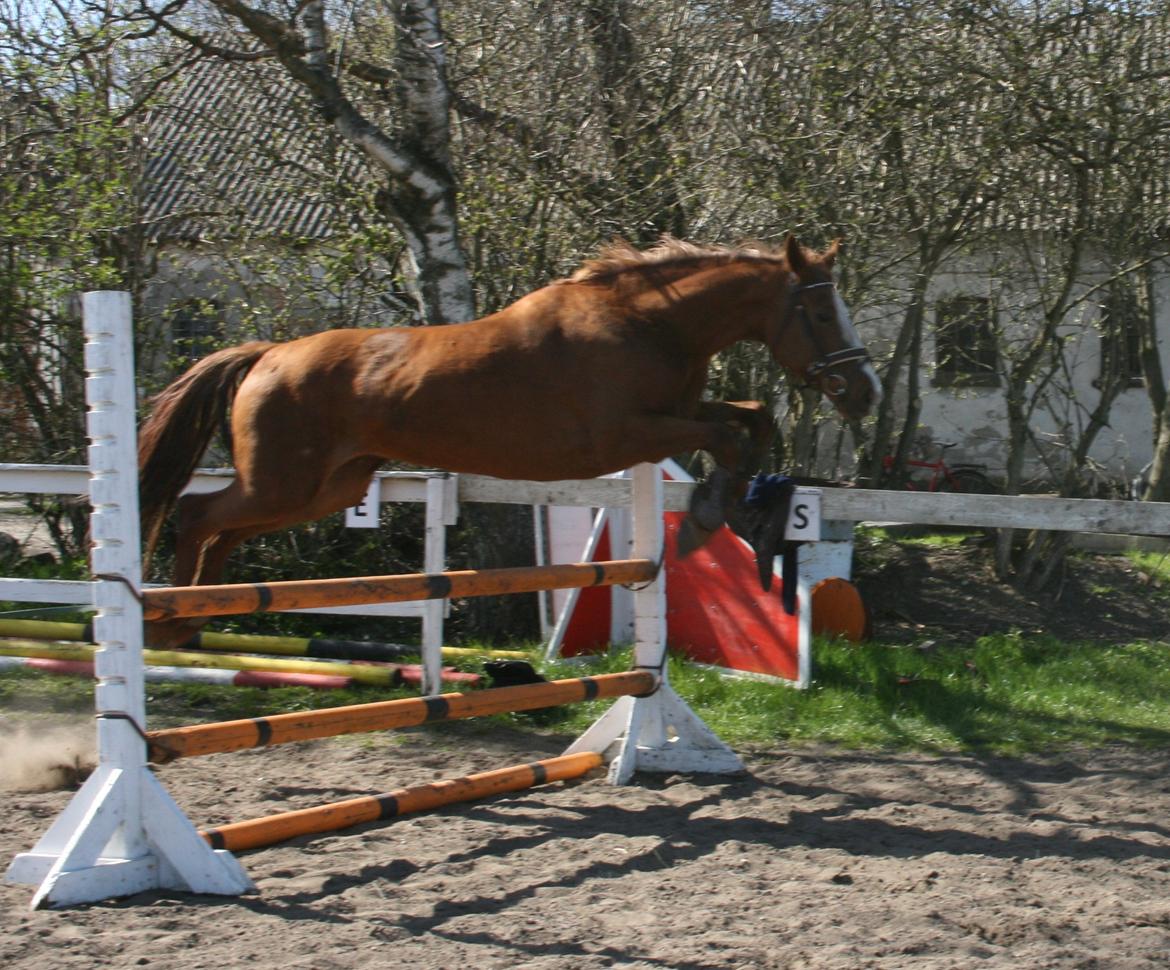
691	536
708	504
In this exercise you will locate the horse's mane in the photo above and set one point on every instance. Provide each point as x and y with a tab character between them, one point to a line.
620	255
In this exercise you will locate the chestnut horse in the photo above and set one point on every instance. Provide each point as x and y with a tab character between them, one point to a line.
587	376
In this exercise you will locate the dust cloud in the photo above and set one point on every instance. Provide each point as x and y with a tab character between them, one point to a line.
46	759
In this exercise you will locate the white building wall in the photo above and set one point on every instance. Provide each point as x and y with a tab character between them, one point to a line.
975	417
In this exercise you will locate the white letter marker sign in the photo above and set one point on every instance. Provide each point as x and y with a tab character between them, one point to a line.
365	514
804	515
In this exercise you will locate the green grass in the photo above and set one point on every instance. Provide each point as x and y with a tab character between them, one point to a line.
876	535
1004	694
1156	565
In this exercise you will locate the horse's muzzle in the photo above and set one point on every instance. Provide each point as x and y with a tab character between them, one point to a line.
854	396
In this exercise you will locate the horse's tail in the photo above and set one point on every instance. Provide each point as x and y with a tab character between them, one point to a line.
183	419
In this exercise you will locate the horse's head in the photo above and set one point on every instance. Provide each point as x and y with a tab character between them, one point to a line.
814	338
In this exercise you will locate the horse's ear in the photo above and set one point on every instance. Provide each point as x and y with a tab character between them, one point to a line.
830	255
794	253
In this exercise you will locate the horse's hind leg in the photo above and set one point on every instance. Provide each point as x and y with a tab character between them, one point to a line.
202	544
210	560
203	518
212	525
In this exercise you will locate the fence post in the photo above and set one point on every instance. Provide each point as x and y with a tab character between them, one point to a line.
649	536
442	510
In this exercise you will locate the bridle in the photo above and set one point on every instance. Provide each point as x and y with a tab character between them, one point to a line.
816	371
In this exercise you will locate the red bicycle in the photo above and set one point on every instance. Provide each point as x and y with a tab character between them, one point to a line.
965	478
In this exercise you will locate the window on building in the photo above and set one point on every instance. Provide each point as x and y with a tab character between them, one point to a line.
965	346
1121	336
196	330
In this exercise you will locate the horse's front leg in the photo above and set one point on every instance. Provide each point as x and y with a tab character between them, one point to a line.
754	418
712	499
718	429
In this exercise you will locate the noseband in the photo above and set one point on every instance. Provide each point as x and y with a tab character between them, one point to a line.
826	361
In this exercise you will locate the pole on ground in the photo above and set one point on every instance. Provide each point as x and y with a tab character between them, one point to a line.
324	648
256	833
122	833
378	676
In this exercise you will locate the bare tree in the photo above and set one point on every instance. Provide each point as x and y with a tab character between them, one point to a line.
68	170
393	105
1091	121
855	133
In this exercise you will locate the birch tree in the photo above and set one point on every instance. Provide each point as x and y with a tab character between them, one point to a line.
385	90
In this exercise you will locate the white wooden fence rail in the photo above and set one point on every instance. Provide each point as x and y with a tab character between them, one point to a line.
444	493
857	505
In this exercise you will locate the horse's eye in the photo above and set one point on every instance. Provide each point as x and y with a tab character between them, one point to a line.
824	316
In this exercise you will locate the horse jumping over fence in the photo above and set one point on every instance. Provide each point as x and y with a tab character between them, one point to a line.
587	376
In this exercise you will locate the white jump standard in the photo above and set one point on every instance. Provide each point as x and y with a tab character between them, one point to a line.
122	833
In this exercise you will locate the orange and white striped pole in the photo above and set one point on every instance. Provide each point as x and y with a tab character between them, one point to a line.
257	732
256	833
301	594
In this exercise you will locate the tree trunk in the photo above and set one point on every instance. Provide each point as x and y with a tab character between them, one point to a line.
903	358
804	433
1159	489
1013	475
1159	393
650	202
913	393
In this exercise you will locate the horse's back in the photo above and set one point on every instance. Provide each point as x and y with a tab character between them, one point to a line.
541	389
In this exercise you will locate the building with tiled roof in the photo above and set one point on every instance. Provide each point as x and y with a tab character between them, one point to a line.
235	148
247	199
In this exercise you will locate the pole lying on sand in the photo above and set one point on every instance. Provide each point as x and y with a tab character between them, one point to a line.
271	829
300	594
200	739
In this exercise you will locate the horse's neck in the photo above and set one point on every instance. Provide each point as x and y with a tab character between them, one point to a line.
721	305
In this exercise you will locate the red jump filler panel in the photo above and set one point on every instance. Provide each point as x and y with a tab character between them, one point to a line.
717	614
